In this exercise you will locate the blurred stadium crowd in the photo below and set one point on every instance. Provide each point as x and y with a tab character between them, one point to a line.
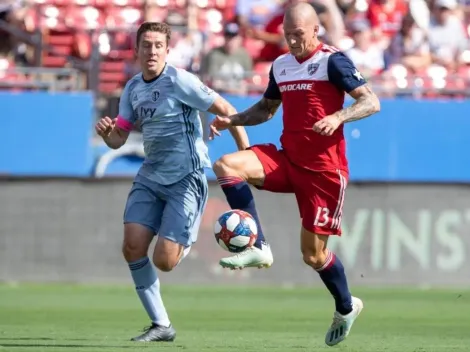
404	47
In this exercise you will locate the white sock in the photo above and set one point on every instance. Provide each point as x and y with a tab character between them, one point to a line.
185	253
147	286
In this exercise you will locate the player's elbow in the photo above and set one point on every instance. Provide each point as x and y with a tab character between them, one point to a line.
222	107
376	104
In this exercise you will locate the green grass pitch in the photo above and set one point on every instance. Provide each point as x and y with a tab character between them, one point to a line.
66	318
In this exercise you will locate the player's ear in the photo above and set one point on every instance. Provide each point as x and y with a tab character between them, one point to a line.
316	29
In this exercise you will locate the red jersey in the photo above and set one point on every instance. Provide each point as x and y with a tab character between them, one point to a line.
310	90
387	18
271	51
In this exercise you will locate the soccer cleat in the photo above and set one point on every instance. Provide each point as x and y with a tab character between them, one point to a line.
342	324
156	333
252	257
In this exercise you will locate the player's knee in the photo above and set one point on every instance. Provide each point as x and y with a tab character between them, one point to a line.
224	166
220	167
313	258
137	239
132	251
165	263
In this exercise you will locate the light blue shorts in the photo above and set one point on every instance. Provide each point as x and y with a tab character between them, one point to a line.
172	211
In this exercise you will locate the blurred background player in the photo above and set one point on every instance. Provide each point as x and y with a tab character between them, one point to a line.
169	193
310	82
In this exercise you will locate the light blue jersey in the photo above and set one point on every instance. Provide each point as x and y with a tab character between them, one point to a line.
168	109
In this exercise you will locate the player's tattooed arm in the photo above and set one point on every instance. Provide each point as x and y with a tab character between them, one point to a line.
366	104
261	112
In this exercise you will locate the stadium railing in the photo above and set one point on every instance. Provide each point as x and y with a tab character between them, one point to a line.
41	78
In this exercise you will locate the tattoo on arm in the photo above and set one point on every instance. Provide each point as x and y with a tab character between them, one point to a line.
261	112
365	105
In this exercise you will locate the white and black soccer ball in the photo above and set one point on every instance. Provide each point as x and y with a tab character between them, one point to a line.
235	231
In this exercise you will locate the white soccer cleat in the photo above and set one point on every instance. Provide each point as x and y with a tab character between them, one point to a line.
342	324
252	257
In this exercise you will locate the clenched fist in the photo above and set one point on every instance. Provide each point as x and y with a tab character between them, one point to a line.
327	125
105	126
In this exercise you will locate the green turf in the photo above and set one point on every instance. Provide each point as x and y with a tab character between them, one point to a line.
82	318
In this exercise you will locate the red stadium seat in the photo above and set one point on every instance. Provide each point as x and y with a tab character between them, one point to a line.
62	50
109	87
122	54
54	61
156	13
85	17
118	76
128	3
181	4
65	39
113	66
123	17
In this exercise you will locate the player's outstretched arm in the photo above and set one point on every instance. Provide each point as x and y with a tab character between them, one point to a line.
366	103
259	113
264	109
222	107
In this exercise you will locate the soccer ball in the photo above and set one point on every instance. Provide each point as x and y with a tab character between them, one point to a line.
235	231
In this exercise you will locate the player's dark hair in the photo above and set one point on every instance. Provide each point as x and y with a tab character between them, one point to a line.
154	27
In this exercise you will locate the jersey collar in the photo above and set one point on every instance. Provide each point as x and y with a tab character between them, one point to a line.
312	54
155	78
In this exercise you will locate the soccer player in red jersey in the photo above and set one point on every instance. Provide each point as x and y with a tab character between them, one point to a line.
310	82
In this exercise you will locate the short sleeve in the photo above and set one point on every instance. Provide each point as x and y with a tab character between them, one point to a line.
343	74
192	92
126	117
272	91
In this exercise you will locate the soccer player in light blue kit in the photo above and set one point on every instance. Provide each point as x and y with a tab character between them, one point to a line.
170	191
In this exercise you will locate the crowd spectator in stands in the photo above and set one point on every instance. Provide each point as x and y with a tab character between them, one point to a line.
5	38
185	47
446	35
226	67
255	13
9	10
385	17
6	59
367	55
331	19
272	34
12	13
435	36
409	47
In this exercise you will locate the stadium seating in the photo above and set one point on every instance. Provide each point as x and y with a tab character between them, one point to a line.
71	27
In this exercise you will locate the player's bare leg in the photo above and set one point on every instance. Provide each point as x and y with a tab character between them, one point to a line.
234	172
329	267
167	254
137	239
